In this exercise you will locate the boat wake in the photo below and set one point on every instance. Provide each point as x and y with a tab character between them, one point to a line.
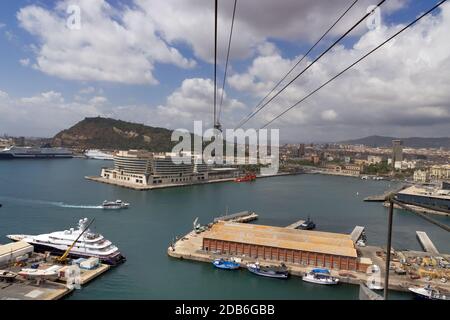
47	203
79	207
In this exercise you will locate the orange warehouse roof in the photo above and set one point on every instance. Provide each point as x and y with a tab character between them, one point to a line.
311	241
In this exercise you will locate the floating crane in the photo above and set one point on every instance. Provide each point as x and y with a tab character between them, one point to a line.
63	258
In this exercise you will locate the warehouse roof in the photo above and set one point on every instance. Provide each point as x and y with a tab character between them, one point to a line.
311	241
13	247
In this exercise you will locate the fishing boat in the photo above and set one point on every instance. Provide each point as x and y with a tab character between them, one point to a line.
115	205
279	272
247	178
226	264
307	225
320	276
428	293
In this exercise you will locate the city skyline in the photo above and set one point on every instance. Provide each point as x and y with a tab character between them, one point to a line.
162	76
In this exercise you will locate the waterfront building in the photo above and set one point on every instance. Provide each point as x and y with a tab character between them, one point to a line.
374	159
9	253
440	172
307	248
346	169
397	151
438	199
421	176
143	168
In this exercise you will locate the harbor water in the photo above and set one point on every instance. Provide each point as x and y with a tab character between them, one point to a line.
41	196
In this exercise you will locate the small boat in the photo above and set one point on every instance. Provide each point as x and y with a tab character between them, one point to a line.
115	205
373	285
225	264
361	243
428	293
43	274
320	276
7	276
247	178
279	272
307	225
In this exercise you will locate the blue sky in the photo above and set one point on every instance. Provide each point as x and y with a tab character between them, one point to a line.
159	70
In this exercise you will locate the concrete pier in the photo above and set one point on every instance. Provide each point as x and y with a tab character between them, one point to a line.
295	225
357	233
426	243
190	248
244	216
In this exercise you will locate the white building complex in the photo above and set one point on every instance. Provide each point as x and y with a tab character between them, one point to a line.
147	169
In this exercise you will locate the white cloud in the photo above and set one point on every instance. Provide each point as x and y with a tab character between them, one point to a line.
397	90
47	113
112	45
2	25
25	62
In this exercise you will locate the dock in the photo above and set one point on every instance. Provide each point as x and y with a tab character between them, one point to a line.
244	216
27	290
357	233
382	197
190	247
295	225
426	243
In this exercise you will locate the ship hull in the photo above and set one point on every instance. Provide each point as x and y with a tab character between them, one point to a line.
10	156
267	274
111	260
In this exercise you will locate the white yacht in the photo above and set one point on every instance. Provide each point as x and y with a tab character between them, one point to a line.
98	155
115	205
89	245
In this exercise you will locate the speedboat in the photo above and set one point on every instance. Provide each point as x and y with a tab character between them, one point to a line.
428	293
320	276
115	205
88	245
225	264
307	225
279	272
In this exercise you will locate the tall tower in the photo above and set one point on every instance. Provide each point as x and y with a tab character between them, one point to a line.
397	151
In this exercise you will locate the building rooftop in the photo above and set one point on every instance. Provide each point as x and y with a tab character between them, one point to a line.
427	192
311	241
13	247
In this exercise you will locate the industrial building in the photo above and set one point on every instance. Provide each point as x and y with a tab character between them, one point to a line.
12	251
307	248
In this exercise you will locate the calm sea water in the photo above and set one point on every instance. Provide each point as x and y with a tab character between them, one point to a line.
41	196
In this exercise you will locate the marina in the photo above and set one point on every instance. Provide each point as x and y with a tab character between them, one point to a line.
157	217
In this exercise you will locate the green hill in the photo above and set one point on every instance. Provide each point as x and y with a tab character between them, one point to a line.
105	133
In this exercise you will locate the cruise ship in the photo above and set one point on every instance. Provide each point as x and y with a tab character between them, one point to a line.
34	153
98	155
89	245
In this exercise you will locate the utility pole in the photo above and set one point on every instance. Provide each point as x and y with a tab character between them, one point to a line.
388	247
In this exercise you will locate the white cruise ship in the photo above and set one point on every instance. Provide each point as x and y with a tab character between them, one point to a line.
34	153
89	245
98	155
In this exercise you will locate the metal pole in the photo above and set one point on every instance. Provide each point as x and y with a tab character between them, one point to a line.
388	248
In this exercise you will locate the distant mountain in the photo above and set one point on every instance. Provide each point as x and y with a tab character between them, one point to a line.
105	133
414	142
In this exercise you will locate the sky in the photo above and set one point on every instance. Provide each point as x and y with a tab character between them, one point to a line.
151	62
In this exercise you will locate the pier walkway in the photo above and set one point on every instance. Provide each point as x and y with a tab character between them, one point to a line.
244	216
357	233
295	225
383	197
426	243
